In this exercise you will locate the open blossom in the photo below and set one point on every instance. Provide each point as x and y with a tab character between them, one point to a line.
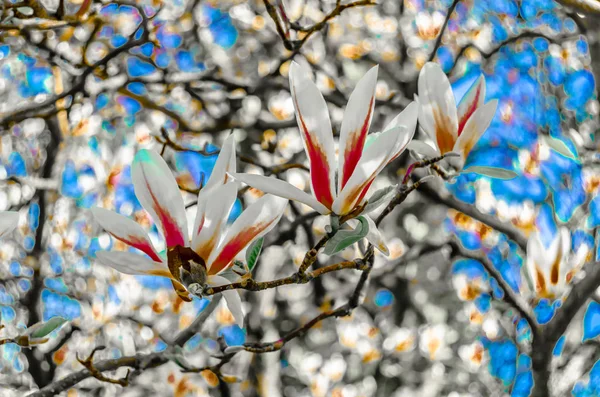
452	129
9	220
339	185
552	268
213	246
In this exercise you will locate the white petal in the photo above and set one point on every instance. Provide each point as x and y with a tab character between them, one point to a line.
423	149
130	263
282	189
355	125
476	125
156	189
436	97
315	128
126	230
536	258
216	214
232	299
9	220
407	122
254	222
224	165
373	160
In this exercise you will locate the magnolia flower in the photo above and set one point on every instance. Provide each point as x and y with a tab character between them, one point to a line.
552	268
213	246
452	129
9	220
339	185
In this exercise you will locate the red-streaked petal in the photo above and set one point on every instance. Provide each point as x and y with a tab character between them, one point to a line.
355	125
156	189
315	128
232	299
437	113
253	223
9	220
472	100
215	219
282	189
130	263
475	127
126	230
374	158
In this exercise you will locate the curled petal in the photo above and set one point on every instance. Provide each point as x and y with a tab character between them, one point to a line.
232	299
281	188
126	230
253	223
475	127
156	189
355	125
130	263
315	128
9	220
472	100
215	219
437	114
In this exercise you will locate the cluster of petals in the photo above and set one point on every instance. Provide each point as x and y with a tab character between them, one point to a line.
214	244
552	268
340	183
452	129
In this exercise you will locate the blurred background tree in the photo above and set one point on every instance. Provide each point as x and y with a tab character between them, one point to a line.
84	84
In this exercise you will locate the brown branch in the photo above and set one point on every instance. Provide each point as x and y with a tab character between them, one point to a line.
438	41
89	365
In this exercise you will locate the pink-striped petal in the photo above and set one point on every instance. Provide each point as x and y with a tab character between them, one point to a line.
475	127
281	188
472	100
157	191
253	223
232	299
315	128
355	125
9	220
126	230
215	219
437	114
374	158
130	263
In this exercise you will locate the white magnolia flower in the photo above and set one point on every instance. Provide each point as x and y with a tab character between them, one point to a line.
552	268
213	246
340	185
9	220
452	129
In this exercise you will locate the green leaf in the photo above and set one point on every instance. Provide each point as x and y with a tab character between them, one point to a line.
492	172
560	147
380	197
41	329
253	253
345	238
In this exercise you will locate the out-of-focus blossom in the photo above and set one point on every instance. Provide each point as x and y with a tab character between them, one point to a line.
212	248
552	268
469	288
340	188
452	128
9	220
433	342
